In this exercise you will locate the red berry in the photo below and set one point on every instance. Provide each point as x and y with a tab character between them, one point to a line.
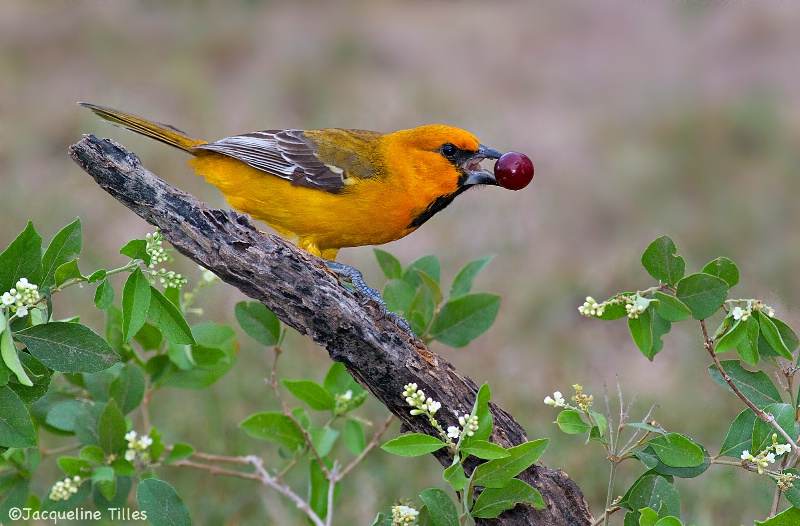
513	170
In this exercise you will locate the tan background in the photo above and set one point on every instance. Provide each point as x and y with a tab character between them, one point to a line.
641	119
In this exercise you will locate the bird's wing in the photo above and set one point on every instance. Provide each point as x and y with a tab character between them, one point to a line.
282	153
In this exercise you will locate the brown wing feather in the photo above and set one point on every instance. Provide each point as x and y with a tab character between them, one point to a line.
283	153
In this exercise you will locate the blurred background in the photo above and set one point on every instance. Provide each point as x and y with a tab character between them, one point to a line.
641	120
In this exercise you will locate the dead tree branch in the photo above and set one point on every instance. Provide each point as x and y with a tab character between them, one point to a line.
305	295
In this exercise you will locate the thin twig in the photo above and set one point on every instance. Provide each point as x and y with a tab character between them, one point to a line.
372	443
763	415
332	492
606	514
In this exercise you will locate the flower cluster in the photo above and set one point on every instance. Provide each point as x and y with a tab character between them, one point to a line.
169	278
415	397
468	423
137	447
557	400
20	298
584	402
743	314
785	480
591	308
158	254
767	456
404	515
346	402
64	489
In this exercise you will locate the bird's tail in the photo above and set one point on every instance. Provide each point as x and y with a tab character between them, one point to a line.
160	132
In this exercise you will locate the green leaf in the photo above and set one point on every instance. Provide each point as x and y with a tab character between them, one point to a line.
169	319
9	354
427	264
41	379
730	338
135	303
462	320
97	275
433	287
111	430
484	450
454	475
389	264
789	517
68	347
214	355
480	408
647	457
660	261
161	503
274	427
67	271
683	472
787	334
756	386
748	345
338	380
723	268
104	295
740	435
671	308
702	293
493	501
149	337
413	445
641	329
648	517
258	322
128	387
313	394
762	432
771	334
423	306
650	491
440	507
398	295
462	285
571	422
93	454
318	490
496	473
353	436
75	466
136	249
323	439
16	427
180	451
22	259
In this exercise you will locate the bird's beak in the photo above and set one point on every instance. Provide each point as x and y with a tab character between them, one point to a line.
477	174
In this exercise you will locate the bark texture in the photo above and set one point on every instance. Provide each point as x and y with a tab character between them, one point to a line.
305	295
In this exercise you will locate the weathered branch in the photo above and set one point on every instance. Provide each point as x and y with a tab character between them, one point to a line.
305	295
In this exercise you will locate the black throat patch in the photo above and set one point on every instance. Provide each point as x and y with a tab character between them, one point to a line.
437	205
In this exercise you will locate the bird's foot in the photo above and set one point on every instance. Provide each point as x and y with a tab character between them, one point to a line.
354	277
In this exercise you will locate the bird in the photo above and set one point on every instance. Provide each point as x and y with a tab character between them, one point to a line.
332	188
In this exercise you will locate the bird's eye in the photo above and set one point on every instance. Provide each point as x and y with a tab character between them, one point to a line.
449	151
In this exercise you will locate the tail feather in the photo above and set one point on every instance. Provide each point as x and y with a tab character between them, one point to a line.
160	132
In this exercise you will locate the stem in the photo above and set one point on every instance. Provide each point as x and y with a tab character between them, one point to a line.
261	475
273	383
331	491
59	450
369	447
763	415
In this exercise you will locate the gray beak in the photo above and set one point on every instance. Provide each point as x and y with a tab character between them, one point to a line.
475	173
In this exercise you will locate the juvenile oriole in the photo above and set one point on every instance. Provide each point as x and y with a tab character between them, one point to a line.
332	188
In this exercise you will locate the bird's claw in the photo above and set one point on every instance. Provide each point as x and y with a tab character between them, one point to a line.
356	279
